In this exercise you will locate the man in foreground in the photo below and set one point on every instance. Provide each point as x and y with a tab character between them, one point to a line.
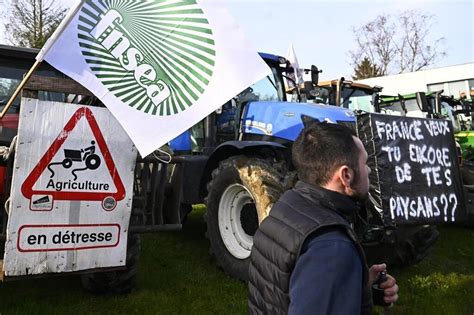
306	257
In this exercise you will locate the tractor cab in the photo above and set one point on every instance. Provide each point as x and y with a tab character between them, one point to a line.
347	94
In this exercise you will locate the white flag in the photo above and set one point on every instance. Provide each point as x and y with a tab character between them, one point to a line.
298	73
159	66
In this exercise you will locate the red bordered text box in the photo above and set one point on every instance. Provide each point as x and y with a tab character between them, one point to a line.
49	230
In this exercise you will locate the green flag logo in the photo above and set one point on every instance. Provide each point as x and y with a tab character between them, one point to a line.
155	56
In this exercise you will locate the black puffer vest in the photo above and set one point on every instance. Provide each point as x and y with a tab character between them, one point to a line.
277	244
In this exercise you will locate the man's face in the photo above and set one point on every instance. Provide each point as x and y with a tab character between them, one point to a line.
360	185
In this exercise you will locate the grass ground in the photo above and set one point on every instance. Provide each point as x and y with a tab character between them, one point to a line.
177	276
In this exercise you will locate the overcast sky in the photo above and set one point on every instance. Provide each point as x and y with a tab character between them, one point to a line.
321	30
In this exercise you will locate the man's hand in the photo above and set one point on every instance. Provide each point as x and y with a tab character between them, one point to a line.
390	286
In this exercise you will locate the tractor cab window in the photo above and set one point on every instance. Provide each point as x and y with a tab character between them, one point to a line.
412	109
323	95
351	98
357	99
267	89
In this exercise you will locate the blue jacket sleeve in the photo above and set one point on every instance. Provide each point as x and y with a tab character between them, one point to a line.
327	278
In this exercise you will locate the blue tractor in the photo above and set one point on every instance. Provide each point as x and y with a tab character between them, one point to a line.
239	163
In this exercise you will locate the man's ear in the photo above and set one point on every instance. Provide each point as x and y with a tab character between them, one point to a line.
346	176
341	180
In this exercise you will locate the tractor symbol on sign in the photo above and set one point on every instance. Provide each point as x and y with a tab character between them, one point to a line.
86	155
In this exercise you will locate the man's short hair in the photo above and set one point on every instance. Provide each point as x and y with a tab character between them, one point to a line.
321	148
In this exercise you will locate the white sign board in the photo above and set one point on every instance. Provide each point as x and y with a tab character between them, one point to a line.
72	190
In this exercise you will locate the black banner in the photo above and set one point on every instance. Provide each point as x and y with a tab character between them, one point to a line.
415	177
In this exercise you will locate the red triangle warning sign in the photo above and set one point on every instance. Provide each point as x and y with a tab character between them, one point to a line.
91	160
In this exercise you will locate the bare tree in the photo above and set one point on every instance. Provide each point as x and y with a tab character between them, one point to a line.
31	22
414	49
397	44
374	41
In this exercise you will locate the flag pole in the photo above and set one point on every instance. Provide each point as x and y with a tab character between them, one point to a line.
71	13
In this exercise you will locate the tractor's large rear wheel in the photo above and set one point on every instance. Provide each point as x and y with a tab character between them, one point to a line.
240	195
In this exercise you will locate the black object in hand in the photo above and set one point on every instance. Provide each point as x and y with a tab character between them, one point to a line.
377	292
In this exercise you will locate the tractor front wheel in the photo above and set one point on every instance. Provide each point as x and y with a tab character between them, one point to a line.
240	195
